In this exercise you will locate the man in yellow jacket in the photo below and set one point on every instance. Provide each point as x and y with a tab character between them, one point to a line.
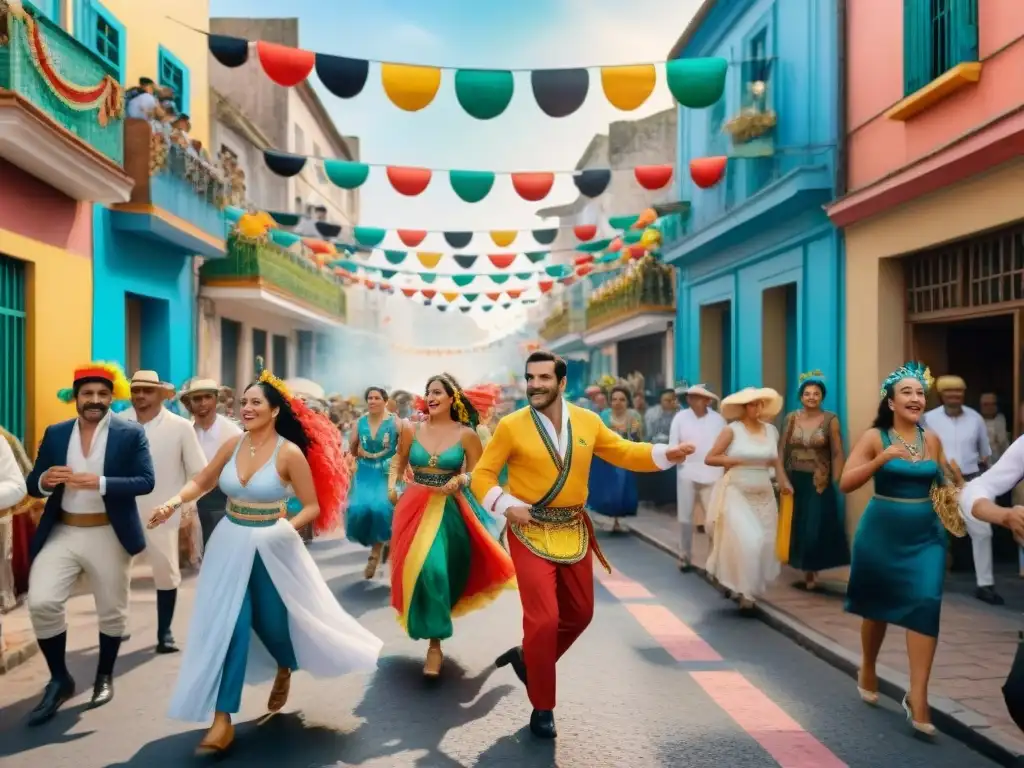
548	447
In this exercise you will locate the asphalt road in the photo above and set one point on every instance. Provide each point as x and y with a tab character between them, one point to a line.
667	675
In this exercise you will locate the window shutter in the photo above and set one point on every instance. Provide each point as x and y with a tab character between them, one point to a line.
917	44
964	31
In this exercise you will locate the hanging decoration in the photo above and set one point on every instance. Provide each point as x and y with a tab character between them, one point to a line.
706	172
106	96
470	186
482	93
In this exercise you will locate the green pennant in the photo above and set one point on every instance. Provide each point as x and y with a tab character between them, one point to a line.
558	270
696	83
487	307
471	186
284	238
470	297
524	275
463	280
345	174
593	246
484	93
369	237
427	277
622	222
499	279
395	257
537	256
388	273
632	236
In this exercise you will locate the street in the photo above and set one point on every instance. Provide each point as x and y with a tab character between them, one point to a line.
667	675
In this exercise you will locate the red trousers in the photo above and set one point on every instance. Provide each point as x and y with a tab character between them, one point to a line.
558	604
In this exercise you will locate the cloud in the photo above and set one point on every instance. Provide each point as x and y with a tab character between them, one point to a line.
413	36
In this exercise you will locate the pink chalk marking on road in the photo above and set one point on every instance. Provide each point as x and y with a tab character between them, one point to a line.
621	587
764	721
681	642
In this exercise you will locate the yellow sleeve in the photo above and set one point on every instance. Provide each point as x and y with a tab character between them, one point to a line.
620	452
494	457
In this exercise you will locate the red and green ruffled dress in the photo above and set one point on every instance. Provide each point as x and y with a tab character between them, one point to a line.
446	560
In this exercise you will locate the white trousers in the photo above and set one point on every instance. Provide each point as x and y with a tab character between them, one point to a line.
162	550
688	493
981	546
67	554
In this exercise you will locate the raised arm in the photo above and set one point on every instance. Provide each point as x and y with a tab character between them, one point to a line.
635	457
484	478
206	479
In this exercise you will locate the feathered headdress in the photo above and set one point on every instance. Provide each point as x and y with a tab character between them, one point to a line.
325	455
911	370
482	397
102	371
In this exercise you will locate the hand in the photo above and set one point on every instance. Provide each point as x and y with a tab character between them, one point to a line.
393	495
55	476
453	486
84	481
895	451
518	515
160	516
677	453
1014	520
785	487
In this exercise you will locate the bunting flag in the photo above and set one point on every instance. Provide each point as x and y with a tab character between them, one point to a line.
469	186
482	93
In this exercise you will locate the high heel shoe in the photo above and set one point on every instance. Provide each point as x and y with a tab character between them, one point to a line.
219	738
435	658
868	697
279	692
925	729
371	563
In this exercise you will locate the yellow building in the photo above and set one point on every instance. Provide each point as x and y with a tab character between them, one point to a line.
62	161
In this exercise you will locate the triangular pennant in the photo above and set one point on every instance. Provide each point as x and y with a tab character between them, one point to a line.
499	279
451	296
537	256
493	296
427	277
428	293
465	260
470	297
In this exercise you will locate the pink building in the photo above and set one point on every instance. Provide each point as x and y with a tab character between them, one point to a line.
934	214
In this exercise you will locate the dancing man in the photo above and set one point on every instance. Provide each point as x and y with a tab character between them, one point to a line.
90	470
548	447
177	458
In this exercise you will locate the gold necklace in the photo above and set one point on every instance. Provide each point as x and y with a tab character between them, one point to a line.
254	448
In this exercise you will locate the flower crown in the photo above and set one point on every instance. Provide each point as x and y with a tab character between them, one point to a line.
460	406
815	375
266	377
911	370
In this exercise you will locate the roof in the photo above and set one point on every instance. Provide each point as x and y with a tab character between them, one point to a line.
691	29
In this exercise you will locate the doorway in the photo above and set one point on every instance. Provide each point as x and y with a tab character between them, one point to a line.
716	346
778	342
147	334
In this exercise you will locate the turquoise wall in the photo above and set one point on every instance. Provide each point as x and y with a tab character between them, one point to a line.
126	265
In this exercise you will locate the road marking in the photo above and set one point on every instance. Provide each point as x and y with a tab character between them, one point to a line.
764	721
623	588
681	642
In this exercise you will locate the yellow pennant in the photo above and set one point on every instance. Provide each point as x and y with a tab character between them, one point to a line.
428	260
410	87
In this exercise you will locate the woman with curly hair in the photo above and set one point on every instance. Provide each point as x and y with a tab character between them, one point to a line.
257	576
445	556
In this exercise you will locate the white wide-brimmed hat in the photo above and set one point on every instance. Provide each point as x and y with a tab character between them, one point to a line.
734	405
701	390
306	388
200	387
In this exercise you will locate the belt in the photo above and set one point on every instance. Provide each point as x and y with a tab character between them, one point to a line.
85	520
432	479
556	514
902	501
254	514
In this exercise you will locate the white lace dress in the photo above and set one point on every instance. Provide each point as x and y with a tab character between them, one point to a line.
743	518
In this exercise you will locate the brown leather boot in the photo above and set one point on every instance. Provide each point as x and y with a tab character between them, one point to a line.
219	738
279	693
432	667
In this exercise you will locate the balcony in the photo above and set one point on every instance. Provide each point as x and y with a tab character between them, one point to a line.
639	303
178	197
73	141
555	325
276	280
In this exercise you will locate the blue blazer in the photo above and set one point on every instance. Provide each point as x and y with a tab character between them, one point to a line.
127	467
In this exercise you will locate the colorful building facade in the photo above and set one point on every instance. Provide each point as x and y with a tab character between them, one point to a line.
759	265
933	222
59	155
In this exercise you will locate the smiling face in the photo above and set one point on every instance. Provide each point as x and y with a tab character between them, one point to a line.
202	404
93	400
811	397
908	400
542	385
374	402
439	402
256	410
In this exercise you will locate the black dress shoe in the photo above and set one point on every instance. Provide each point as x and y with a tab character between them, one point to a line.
102	691
542	724
166	644
513	656
989	595
54	696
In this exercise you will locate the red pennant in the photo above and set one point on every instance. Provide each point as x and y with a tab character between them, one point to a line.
545	285
409	181
533	186
317	246
584	270
412	237
708	171
585	232
428	293
369	283
567	280
410	292
514	294
653	176
582	259
493	296
385	286
285	66
637	251
502	260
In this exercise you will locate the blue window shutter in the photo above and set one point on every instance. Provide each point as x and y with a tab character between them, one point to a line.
917	44
964	32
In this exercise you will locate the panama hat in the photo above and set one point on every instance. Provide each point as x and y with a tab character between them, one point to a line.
200	386
734	404
146	379
306	388
701	390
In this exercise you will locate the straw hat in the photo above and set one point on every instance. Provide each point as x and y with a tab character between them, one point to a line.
701	390
733	406
146	379
306	388
200	387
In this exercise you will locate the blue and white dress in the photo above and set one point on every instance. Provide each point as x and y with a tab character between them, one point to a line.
258	579
368	520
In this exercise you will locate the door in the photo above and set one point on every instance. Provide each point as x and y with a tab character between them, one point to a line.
13	373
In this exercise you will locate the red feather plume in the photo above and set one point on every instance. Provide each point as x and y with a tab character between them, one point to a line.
326	463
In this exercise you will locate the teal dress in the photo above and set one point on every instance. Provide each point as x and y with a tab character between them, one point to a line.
368	520
899	550
612	490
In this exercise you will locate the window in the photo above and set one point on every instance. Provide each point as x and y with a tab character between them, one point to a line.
300	141
280	358
259	343
305	355
230	339
937	36
174	74
100	31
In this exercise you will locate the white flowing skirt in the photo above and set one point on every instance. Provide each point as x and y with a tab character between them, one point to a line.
744	519
327	641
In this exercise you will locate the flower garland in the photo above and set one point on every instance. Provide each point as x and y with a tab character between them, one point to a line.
107	96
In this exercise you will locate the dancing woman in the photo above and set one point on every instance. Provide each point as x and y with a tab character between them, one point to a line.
257	576
613	489
445	557
374	443
899	549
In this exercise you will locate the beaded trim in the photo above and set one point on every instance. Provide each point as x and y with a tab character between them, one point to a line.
433	479
554	515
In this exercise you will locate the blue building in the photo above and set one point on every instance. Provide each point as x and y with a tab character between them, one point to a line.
759	265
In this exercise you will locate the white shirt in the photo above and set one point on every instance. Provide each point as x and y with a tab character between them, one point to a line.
222	430
499	502
702	431
142	106
177	457
1004	475
964	438
77	501
12	481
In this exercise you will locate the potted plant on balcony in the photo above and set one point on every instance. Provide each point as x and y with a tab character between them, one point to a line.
752	128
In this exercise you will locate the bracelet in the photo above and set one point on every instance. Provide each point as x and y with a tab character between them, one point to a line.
173	503
466	477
